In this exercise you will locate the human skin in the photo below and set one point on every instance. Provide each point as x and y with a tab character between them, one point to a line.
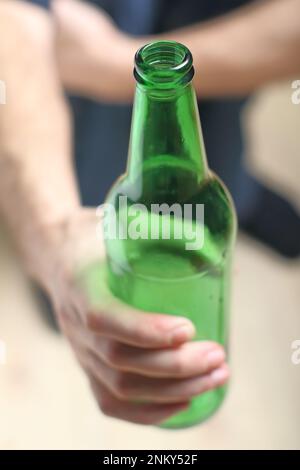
128	356
234	54
142	367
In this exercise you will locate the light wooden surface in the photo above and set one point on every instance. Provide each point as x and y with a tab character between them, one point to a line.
45	401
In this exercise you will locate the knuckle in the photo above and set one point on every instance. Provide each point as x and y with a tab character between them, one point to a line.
95	320
122	386
113	353
106	404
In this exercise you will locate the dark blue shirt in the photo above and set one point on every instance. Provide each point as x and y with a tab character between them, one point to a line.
102	130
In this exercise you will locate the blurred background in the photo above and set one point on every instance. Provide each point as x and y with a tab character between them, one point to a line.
43	405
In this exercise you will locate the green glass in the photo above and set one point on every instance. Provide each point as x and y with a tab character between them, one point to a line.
166	165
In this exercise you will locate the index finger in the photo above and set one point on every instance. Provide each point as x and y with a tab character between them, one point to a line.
138	328
106	315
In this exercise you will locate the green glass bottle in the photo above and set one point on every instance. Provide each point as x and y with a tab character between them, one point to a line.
166	270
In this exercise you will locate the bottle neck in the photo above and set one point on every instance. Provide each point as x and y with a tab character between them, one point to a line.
166	124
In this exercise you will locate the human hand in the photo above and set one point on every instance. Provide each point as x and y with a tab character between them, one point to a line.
142	367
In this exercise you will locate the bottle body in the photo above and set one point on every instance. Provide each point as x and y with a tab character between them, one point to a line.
154	260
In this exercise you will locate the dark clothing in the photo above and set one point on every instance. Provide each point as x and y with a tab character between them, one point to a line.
102	130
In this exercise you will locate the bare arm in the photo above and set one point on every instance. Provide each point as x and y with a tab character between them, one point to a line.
234	54
141	367
37	187
240	52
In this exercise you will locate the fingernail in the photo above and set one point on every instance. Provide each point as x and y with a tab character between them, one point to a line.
219	376
183	333
214	357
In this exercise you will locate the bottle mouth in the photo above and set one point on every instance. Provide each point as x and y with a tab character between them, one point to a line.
163	64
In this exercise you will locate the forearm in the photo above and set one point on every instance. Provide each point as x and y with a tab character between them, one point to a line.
234	54
95	58
95	77
37	187
240	52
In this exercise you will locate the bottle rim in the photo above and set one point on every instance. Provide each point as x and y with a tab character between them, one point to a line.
163	64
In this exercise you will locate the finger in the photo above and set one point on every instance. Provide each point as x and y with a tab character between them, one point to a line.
128	386
139	413
137	328
187	360
108	316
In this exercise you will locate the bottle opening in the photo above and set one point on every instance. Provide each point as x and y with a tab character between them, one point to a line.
163	64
